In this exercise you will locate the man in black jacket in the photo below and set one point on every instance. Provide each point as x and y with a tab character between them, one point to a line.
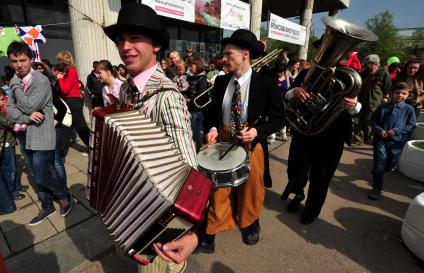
95	87
246	107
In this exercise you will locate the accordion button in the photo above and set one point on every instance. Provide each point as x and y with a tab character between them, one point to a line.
190	187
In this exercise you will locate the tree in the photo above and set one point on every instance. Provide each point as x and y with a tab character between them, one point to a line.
388	43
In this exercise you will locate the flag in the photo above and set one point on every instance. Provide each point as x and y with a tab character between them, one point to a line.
33	35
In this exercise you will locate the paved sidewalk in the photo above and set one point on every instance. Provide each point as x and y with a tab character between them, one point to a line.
353	234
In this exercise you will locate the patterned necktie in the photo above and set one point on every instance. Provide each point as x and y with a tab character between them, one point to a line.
236	125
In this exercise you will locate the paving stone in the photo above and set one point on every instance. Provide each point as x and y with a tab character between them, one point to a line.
77	178
79	192
17	218
65	251
77	215
24	202
4	248
24	236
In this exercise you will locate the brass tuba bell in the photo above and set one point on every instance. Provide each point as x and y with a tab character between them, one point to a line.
327	84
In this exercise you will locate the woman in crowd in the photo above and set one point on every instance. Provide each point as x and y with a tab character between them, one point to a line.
214	70
413	73
69	84
172	69
107	75
122	73
165	64
197	84
293	68
181	79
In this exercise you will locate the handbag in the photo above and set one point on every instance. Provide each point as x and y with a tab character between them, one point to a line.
67	119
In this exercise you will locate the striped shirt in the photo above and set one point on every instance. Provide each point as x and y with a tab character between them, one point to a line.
162	101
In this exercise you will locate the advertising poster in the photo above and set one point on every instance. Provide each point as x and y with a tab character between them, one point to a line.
285	30
177	9
208	12
235	15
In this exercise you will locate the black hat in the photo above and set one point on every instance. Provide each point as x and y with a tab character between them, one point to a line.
245	39
140	18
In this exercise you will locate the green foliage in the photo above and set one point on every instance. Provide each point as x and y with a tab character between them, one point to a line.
388	43
418	144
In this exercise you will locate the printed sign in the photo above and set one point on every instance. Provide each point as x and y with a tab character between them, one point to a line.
208	12
235	14
177	9
285	30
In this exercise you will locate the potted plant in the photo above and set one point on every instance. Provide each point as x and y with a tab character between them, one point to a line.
411	162
418	132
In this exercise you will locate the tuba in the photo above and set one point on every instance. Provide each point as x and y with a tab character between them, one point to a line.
326	84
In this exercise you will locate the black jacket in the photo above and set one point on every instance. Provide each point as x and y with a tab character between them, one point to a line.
265	101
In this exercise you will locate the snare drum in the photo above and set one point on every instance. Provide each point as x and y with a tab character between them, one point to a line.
231	171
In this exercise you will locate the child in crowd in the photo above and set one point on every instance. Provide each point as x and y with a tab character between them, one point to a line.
392	123
181	78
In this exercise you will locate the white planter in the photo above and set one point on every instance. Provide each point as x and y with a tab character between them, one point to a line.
413	227
412	161
421	116
418	132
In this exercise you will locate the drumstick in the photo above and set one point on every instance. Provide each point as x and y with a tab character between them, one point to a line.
235	143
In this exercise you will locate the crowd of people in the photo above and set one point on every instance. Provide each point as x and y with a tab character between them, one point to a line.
42	106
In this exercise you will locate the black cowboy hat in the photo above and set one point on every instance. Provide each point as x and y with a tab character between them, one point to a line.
245	39
139	18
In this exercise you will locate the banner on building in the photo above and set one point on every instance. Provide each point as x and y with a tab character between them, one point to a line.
177	9
285	30
208	12
235	14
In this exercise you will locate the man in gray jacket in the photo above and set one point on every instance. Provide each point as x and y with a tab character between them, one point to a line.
30	107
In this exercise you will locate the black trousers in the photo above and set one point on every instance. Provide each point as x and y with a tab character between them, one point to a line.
78	121
316	158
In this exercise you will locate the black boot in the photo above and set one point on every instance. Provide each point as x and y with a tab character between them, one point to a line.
295	203
250	234
207	245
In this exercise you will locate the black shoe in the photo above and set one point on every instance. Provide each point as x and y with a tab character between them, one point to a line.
23	188
207	245
250	235
18	196
42	215
65	205
307	218
205	248
295	203
374	194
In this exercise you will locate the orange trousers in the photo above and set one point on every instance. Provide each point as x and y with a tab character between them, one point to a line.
242	205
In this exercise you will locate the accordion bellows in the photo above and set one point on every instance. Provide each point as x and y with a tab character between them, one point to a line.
139	182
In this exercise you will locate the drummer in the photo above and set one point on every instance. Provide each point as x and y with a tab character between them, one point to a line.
246	107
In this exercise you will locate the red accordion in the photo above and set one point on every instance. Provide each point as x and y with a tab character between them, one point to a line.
139	182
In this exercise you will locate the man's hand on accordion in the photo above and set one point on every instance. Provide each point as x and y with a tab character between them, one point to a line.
177	251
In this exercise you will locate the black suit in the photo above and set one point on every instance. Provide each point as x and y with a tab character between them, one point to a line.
265	101
315	157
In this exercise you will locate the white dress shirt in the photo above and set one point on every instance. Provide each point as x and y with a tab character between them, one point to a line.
244	82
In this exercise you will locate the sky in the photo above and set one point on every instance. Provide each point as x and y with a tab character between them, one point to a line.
406	13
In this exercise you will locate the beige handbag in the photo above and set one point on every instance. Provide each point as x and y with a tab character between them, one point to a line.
67	119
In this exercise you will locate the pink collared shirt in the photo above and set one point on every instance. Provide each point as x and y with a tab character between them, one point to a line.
27	79
141	79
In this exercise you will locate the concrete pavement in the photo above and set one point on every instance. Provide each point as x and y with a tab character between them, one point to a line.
353	233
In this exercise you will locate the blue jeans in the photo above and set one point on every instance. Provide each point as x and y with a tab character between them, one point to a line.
58	157
197	128
386	157
38	164
7	205
9	170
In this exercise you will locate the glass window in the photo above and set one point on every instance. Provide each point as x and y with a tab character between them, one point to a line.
10	14
189	34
